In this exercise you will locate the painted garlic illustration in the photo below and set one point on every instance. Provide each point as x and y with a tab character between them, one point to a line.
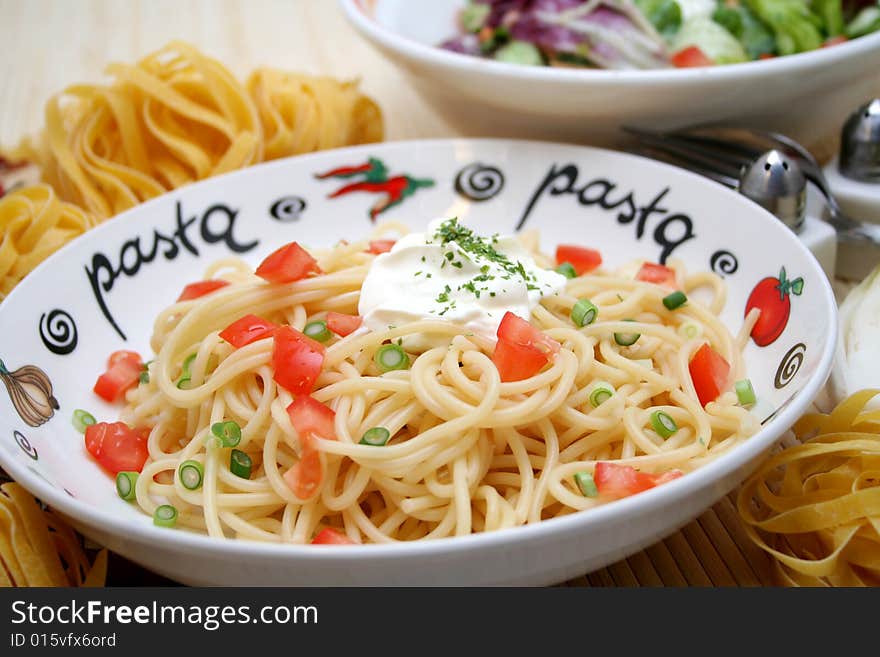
30	391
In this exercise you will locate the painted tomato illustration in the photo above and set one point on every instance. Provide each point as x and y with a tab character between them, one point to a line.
772	296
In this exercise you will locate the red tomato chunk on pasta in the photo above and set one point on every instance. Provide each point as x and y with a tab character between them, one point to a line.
288	264
614	481
304	477
522	350
123	373
657	274
709	372
328	536
583	259
342	324
309	416
297	360
249	328
117	447
381	246
200	289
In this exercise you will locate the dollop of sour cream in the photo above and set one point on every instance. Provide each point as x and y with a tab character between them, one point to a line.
451	273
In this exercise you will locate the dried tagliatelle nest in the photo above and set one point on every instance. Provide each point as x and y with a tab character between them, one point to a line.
37	548
178	116
815	507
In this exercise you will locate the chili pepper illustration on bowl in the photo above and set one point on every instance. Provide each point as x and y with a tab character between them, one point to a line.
376	181
772	296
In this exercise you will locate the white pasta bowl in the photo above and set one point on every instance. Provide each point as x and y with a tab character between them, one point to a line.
806	96
102	292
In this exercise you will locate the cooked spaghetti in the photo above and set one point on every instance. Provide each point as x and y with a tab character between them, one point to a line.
439	440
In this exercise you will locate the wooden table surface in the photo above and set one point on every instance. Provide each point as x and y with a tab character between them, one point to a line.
49	44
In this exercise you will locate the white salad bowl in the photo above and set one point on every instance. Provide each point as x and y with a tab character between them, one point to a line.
102	292
806	96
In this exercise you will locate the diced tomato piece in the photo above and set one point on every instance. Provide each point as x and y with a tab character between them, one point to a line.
521	350
297	360
516	363
342	324
518	331
117	447
657	274
200	289
123	372
583	259
614	481
709	372
328	536
690	57
122	356
309	416
288	264
381	246
304	477
249	328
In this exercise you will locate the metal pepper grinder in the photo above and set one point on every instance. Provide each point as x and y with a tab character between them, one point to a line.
777	183
854	175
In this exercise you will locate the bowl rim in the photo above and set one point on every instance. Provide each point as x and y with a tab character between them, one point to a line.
128	530
752	70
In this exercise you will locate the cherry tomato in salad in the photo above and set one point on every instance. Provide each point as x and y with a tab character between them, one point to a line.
690	57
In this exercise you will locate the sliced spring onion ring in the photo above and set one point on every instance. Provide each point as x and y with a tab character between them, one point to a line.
165	516
318	330
229	433
584	312
627	339
663	424
566	269
601	392
240	464
125	483
585	484
745	393
82	419
391	357
377	436
191	474
690	330
675	300
183	382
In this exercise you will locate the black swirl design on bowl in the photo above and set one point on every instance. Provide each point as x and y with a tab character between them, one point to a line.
25	445
789	366
58	332
723	262
288	208
479	182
